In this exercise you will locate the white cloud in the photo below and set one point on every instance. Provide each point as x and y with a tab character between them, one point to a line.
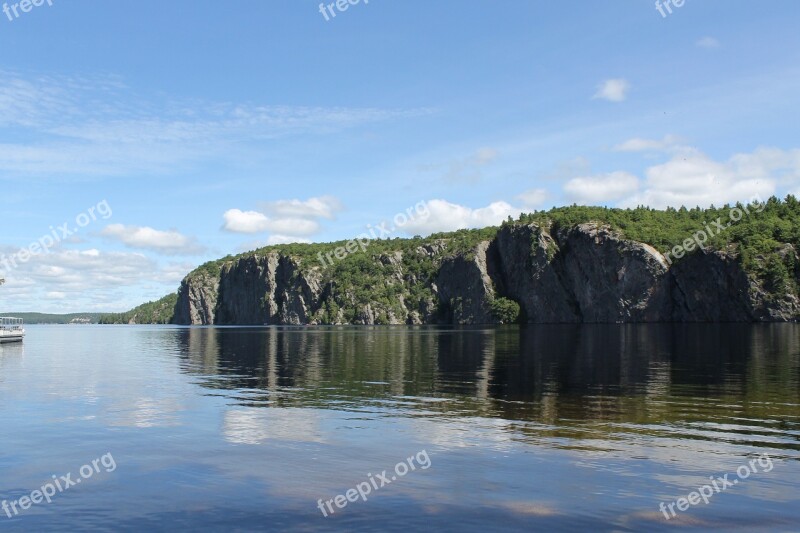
694	179
445	216
285	239
707	42
638	144
615	90
602	188
319	207
690	178
272	240
239	221
88	279
534	198
173	273
288	220
167	242
293	226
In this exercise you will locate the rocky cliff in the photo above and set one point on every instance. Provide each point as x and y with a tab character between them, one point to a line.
584	273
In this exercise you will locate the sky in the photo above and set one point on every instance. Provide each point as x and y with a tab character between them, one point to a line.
139	140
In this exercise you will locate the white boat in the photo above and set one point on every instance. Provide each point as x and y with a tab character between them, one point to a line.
11	330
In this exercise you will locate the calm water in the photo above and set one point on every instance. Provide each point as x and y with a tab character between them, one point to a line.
560	428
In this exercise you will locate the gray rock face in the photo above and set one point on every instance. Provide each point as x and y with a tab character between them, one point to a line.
197	300
466	289
710	287
533	274
244	290
267	289
587	273
612	279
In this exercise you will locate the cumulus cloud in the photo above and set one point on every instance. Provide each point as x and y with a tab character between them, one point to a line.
238	221
293	226
320	207
288	221
442	215
694	179
143	237
601	188
690	178
272	240
615	90
286	239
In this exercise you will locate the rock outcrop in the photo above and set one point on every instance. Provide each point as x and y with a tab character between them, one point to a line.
584	274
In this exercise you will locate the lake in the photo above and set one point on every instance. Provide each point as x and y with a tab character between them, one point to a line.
544	428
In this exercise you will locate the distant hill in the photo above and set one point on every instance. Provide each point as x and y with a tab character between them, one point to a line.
158	312
44	318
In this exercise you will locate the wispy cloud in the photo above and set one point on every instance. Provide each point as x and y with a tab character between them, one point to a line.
100	127
708	42
638	144
468	169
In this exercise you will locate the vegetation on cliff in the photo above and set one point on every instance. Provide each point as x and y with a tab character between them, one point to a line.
158	312
759	238
764	241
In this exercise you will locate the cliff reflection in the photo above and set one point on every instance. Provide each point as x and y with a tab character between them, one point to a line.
554	375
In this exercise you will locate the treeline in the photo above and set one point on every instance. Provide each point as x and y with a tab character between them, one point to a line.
158	312
760	235
47	318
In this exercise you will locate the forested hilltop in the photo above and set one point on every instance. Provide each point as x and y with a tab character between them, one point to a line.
569	264
158	312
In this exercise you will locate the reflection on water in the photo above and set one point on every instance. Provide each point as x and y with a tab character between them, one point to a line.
720	382
545	428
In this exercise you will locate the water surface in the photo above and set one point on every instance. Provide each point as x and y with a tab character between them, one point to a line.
551	428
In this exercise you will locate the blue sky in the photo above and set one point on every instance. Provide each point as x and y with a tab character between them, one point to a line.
211	128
